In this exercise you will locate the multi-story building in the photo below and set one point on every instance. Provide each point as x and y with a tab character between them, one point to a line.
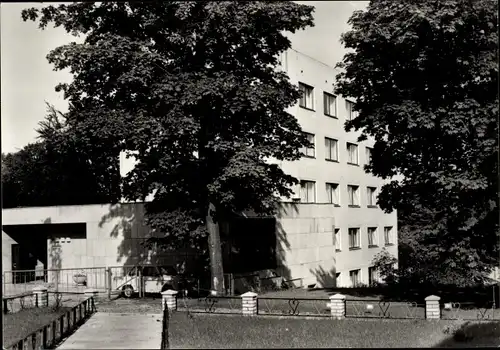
332	171
329	237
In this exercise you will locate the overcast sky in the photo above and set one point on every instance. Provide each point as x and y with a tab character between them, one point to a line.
27	79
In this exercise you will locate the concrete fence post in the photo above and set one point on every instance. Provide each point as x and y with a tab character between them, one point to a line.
432	309
249	304
41	296
169	298
337	306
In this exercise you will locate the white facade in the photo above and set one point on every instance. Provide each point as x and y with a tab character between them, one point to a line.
305	70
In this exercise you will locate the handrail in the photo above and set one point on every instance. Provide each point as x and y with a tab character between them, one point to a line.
25	294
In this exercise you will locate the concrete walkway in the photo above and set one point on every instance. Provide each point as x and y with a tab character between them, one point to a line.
117	331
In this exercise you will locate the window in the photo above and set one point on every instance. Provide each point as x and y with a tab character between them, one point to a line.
308	191
308	151
372	276
352	194
330	104
368	155
351	114
332	193
337	279
352	153
307	96
331	149
150	271
354	238
372	237
354	275
388	235
370	194
337	240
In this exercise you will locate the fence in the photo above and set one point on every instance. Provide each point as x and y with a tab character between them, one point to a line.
108	280
51	334
55	300
469	311
61	280
384	309
336	306
293	307
224	305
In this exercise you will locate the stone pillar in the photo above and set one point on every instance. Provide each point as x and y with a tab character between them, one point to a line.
249	304
337	306
432	309
41	296
169	298
90	292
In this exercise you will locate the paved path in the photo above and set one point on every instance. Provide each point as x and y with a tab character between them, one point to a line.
117	331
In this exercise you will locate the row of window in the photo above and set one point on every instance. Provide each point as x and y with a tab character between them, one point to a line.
355	277
332	150
355	237
329	102
308	194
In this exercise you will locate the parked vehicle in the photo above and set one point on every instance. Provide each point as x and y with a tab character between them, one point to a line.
154	279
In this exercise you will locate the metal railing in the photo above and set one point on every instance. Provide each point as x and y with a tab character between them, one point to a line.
104	279
469	311
61	280
293	307
165	343
50	335
384	309
17	303
211	304
24	301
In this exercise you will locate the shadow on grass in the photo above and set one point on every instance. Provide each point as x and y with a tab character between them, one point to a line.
485	334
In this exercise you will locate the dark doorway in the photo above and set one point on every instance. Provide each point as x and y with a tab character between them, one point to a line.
23	259
250	245
31	246
16	257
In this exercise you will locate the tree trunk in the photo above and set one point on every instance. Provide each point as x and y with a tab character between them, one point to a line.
214	247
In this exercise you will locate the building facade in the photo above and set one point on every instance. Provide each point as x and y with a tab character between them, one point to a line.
331	172
326	235
297	245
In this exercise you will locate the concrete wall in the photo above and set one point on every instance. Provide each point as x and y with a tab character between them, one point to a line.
304	69
306	246
113	234
7	242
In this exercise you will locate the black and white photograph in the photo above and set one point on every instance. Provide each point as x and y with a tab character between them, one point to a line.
250	174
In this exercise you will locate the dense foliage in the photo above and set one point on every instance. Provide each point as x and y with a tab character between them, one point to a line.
424	75
192	88
53	172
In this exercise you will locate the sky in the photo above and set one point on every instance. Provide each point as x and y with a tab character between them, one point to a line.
28	80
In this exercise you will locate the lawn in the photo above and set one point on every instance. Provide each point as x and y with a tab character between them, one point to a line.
234	331
20	324
134	305
472	334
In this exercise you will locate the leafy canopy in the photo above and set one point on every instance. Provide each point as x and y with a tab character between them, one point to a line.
424	76
192	88
52	172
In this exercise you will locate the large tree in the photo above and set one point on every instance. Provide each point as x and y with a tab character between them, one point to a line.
192	89
51	171
424	75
